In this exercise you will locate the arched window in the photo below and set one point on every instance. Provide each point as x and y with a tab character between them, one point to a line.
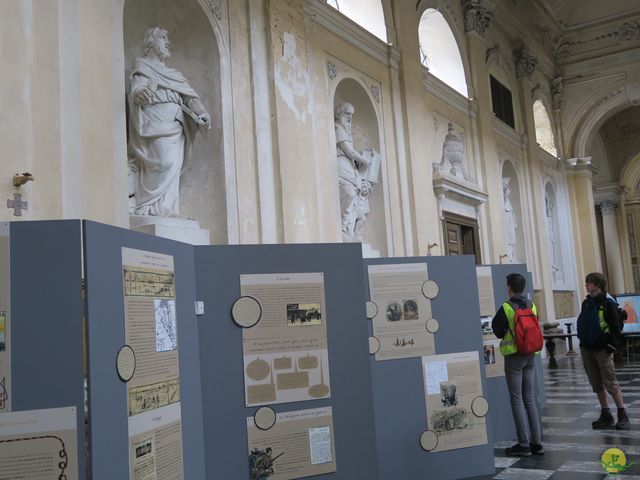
544	131
439	51
366	13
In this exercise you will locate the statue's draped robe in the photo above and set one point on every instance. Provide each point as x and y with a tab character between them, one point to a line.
160	137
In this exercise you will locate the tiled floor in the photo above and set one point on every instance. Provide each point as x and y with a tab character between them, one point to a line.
572	448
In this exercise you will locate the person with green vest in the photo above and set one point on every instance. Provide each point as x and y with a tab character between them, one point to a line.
519	370
598	328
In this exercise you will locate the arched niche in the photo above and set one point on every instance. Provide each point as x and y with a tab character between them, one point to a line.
511	200
195	52
439	51
366	129
554	240
544	129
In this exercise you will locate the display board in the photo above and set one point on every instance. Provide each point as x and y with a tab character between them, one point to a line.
46	342
321	287
502	425
398	385
141	293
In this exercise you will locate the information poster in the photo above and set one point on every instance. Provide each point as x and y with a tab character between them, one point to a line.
285	353
151	332
485	291
5	317
403	310
452	382
300	444
39	444
493	359
155	444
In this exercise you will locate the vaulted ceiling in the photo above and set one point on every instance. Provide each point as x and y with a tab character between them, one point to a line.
575	14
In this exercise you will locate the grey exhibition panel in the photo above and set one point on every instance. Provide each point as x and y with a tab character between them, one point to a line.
106	335
218	271
46	319
502	423
398	385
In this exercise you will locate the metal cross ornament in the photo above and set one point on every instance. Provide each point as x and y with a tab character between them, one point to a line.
17	204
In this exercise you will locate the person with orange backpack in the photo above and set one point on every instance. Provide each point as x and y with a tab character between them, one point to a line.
516	324
599	327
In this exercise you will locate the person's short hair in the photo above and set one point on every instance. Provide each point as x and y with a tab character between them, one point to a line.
150	36
597	279
516	282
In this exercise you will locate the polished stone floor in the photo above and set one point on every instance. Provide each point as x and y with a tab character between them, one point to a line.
572	448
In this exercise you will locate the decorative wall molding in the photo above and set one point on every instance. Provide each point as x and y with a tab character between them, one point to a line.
438	88
507	133
525	63
477	16
335	22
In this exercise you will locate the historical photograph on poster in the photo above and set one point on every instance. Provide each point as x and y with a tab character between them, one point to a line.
39	444
300	444
285	353
452	382
403	310
303	314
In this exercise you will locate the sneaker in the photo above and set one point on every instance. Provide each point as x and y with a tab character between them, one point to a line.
605	420
518	451
536	449
623	420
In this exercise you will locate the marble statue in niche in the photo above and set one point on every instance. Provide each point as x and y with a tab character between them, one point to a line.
453	156
510	219
357	174
165	113
552	245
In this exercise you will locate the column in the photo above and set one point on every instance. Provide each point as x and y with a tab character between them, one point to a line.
612	245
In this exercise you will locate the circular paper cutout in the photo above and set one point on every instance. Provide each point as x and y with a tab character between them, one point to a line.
258	369
480	406
429	440
264	418
372	310
246	312
430	289
126	363
432	325
374	345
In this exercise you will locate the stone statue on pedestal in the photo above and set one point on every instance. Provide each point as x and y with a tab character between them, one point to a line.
357	174
453	157
510	219
164	115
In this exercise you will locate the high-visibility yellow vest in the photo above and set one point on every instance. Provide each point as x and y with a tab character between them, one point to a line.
508	343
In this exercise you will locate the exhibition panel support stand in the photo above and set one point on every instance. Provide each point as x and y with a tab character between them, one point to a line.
45	319
399	384
343	392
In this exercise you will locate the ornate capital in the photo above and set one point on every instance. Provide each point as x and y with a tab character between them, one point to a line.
557	92
477	16
332	70
607	207
524	61
216	8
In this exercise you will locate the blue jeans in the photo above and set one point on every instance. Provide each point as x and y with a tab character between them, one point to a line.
520	375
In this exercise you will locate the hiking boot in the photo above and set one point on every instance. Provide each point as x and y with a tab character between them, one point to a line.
518	451
623	420
605	420
536	449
